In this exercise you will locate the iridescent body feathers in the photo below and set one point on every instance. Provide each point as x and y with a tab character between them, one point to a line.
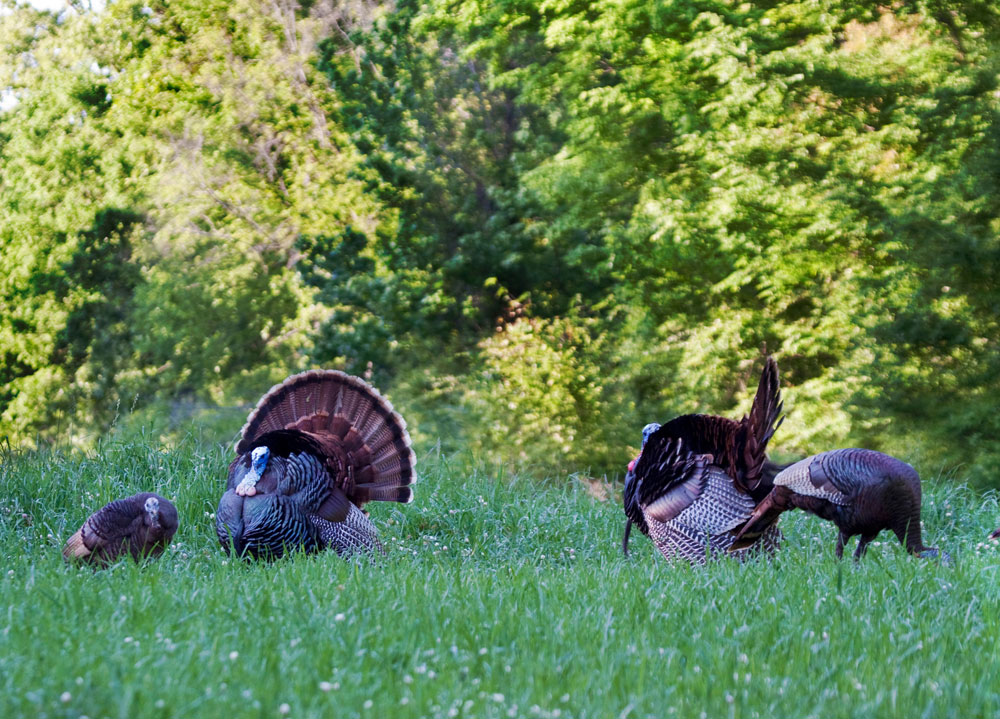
316	448
699	478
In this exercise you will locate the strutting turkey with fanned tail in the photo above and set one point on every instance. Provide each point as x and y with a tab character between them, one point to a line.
316	448
859	490
699	477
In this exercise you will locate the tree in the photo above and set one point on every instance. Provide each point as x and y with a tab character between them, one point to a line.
445	148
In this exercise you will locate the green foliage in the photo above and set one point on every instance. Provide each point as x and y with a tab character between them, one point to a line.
445	151
777	177
66	239
159	163
539	396
499	590
201	197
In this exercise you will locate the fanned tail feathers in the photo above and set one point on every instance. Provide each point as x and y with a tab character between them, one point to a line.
331	403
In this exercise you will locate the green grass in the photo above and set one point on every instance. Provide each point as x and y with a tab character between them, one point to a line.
501	597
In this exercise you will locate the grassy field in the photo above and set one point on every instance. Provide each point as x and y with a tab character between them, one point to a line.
502	596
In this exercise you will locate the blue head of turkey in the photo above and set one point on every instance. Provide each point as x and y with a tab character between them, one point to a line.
631	494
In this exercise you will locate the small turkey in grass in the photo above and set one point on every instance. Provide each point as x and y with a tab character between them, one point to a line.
316	448
699	477
859	490
141	525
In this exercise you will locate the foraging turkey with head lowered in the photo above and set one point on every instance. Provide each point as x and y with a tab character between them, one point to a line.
316	448
859	490
699	477
141	525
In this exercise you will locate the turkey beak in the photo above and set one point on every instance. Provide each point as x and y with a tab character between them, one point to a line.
628	531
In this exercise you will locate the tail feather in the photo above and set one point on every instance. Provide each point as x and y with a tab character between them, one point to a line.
762	519
393	467
761	424
384	443
75	548
367	492
767	404
357	407
335	404
311	396
365	408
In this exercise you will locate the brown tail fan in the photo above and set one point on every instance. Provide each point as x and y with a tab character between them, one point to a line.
332	403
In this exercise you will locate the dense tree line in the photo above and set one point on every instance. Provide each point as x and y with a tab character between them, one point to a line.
537	225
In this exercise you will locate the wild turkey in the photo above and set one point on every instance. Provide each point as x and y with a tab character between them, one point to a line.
859	490
316	448
141	525
699	477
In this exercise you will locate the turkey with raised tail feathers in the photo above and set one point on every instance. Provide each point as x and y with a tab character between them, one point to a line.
316	448
859	490
699	477
141	526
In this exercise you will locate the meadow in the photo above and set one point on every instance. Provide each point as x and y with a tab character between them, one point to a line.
502	595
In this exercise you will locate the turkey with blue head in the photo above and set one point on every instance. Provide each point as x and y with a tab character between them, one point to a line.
316	448
699	477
